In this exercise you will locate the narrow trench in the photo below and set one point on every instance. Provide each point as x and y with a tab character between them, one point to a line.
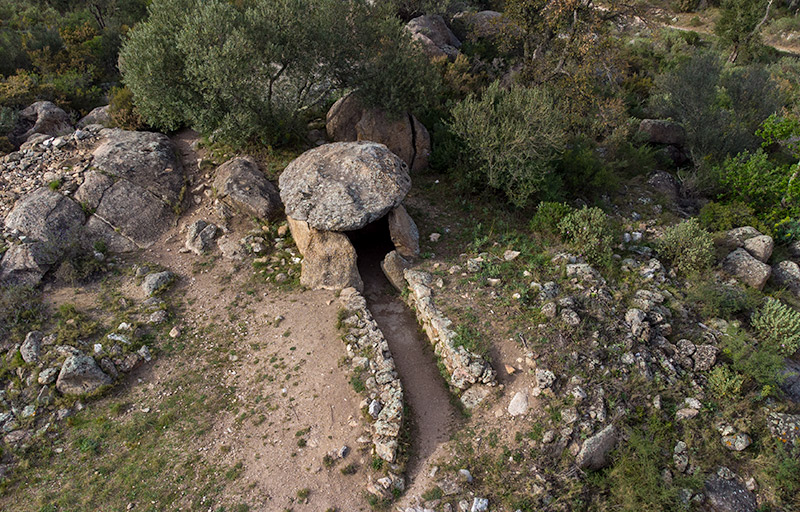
423	387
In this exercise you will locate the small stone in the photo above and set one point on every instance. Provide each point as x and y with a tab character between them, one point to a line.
548	437
686	413
510	369
157	317
510	255
31	347
153	283
375	408
48	376
174	332
144	352
738	442
343	451
479	505
465	475
434	237
519	404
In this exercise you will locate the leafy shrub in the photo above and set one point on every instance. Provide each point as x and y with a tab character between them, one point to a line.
716	216
255	71
589	231
719	300
688	247
766	186
778	325
720	109
513	137
759	363
583	173
724	384
787	231
122	111
548	216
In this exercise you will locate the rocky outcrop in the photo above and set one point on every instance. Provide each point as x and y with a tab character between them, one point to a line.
98	116
746	268
47	223
404	135
80	375
329	259
242	184
464	367
41	117
434	36
371	361
343	186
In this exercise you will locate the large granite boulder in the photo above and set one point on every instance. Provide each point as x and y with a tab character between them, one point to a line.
329	259
50	223
99	115
134	213
41	117
434	36
145	159
747	269
404	135
343	186
240	182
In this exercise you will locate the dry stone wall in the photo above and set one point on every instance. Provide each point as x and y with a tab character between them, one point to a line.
370	358
465	368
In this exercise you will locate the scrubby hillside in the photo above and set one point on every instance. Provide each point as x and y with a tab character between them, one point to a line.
448	256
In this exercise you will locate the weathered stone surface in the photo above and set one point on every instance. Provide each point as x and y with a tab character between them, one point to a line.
41	117
760	247
344	186
79	375
660	131
432	33
97	229
200	236
144	158
31	347
737	442
785	428
786	274
664	183
704	357
47	216
519	404
405	136
790	384
98	115
26	264
746	268
738	236
329	259
135	212
348	121
242	183
155	282
404	233
729	496
393	266
91	191
595	450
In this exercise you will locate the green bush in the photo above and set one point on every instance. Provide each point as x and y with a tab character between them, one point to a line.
590	233
764	185
716	216
787	231
122	111
513	138
778	325
720	300
724	384
759	363
548	216
583	173
256	71
688	247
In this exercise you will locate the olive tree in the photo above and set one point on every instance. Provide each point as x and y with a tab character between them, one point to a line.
254	72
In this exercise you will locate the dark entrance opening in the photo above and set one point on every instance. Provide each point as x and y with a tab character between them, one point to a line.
372	243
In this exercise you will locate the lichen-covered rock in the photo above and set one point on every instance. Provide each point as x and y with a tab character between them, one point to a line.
738	236
200	236
786	274
760	247
404	135
729	496
785	428
746	268
31	347
98	115
344	186
433	35
80	375
595	450
41	117
242	183
145	159
156	282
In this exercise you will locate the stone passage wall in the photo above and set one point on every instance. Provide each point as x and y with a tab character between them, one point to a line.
464	367
369	356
